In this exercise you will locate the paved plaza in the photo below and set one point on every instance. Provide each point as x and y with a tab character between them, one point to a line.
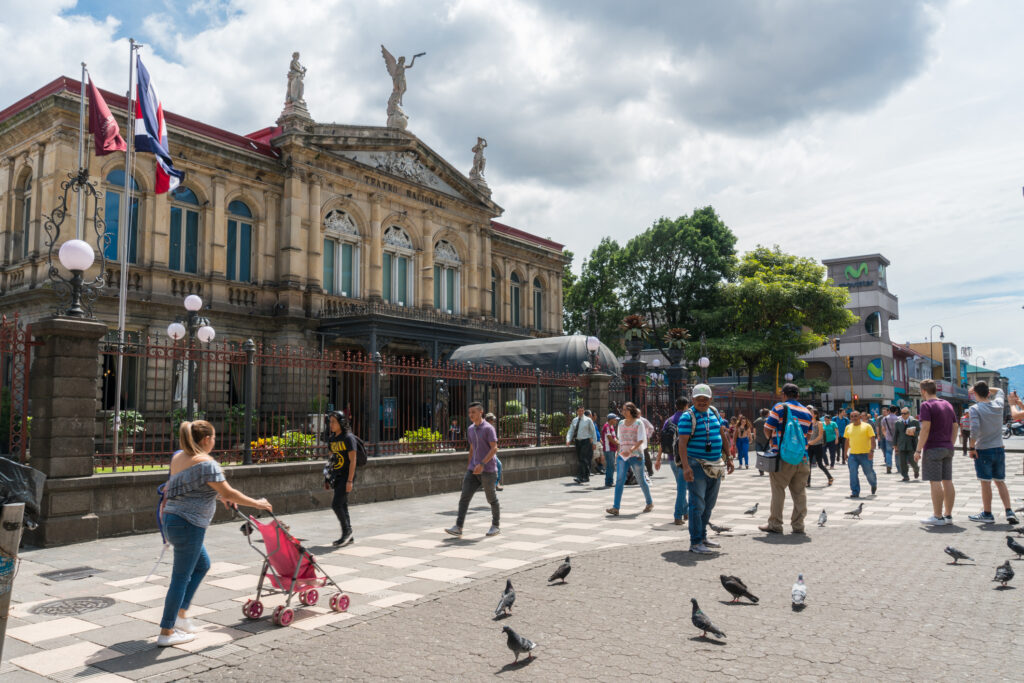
883	602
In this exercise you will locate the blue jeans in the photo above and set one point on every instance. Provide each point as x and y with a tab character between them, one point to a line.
498	460
610	465
681	487
886	446
190	565
860	460
636	463
743	451
703	496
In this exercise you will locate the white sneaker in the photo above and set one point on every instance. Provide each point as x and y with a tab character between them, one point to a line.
185	625
493	531
176	638
935	521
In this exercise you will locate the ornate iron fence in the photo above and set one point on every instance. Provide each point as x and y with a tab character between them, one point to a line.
15	362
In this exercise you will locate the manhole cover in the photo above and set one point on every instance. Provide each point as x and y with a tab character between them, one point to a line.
70	606
70	574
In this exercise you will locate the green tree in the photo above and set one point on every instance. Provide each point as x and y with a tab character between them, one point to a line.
673	272
592	301
779	307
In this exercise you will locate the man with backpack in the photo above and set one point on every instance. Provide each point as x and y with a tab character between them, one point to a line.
704	458
669	435
346	451
786	428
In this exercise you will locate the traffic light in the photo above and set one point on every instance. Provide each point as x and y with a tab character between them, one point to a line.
848	360
856	398
836	342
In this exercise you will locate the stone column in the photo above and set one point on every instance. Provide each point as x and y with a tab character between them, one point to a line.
526	298
217	230
427	270
376	250
473	285
6	207
314	257
41	201
596	396
485	290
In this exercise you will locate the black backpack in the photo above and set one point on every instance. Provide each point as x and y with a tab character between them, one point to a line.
360	451
669	437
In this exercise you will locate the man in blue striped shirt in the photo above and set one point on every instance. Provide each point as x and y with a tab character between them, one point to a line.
793	477
702	434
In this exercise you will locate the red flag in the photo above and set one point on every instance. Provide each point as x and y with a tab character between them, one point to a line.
102	124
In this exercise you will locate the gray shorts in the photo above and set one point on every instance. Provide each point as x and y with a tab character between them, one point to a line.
937	464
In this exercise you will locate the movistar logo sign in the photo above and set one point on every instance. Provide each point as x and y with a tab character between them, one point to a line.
854	273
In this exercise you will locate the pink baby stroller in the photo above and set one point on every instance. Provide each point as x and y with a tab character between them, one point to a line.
291	570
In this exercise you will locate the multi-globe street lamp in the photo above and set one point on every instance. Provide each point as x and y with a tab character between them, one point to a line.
194	326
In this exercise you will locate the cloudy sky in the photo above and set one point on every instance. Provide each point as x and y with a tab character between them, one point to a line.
830	128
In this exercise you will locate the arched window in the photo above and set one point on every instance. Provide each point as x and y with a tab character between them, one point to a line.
398	251
538	305
494	294
239	242
112	218
446	277
184	248
514	300
341	254
24	228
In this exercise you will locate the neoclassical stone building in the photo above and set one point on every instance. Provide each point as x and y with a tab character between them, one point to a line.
302	233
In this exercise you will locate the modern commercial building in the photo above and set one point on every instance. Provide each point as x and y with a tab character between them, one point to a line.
862	366
948	371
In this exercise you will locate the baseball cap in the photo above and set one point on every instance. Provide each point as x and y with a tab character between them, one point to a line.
612	416
702	390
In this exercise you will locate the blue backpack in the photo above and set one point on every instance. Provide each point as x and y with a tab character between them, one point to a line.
793	443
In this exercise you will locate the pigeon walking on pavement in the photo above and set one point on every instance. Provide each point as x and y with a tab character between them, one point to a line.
723	529
507	598
1014	546
799	591
518	644
752	511
1004	573
856	512
561	572
957	555
822	518
737	588
701	621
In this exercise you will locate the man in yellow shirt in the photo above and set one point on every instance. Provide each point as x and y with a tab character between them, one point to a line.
859	450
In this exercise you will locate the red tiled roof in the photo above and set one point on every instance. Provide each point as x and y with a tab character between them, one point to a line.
74	86
523	235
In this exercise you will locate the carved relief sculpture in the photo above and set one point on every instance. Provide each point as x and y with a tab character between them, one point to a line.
396	69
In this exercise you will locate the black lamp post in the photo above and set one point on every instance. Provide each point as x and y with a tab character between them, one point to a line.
704	362
76	255
195	327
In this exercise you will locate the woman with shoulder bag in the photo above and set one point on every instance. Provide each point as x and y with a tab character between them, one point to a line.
340	470
191	493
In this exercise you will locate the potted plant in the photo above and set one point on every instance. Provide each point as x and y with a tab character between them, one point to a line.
635	332
132	423
675	342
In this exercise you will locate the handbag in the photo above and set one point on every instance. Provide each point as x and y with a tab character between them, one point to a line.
714	469
768	461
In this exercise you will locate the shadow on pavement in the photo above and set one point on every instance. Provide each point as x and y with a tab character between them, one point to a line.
515	666
738	604
685	558
948	529
1006	588
1001	528
705	639
783	539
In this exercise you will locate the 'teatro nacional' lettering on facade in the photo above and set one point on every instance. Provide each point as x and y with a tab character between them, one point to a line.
388	187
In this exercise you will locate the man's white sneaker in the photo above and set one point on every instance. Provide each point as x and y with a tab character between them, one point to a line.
935	521
176	638
184	625
493	531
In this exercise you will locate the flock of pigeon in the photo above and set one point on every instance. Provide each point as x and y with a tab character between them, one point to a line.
517	643
1004	572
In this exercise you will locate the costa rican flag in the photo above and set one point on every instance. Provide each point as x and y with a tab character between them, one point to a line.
151	132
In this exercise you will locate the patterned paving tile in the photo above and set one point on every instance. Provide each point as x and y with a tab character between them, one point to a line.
48	630
441	574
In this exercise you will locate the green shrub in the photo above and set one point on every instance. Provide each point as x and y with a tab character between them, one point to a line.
179	415
236	419
513	407
132	423
511	425
557	423
422	440
298	443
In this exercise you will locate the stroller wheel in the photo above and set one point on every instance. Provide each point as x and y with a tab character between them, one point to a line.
339	602
311	597
253	609
285	616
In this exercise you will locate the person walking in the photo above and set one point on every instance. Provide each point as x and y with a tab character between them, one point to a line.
583	435
792	476
652	435
906	443
632	441
816	448
743	430
195	484
492	420
481	472
985	428
341	470
887	426
701	450
609	446
935	452
859	443
670	432
842	422
760	440
831	433
965	430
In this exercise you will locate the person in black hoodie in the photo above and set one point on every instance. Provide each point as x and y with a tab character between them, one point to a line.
340	471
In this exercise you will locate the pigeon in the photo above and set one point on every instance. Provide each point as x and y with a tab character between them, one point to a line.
856	513
822	518
799	591
723	529
507	598
956	554
518	644
1014	546
561	572
1020	531
701	621
737	588
1004	573
752	511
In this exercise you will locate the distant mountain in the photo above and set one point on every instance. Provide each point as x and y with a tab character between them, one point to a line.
1015	373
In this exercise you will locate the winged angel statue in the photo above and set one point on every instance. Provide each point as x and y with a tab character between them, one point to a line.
396	69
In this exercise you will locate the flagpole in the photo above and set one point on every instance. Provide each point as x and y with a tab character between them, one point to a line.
81	146
124	234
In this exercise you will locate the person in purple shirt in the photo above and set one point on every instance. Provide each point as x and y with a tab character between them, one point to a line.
935	452
482	470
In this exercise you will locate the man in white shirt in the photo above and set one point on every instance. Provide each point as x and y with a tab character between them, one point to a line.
583	435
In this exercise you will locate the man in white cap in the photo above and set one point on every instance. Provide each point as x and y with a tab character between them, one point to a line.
703	438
